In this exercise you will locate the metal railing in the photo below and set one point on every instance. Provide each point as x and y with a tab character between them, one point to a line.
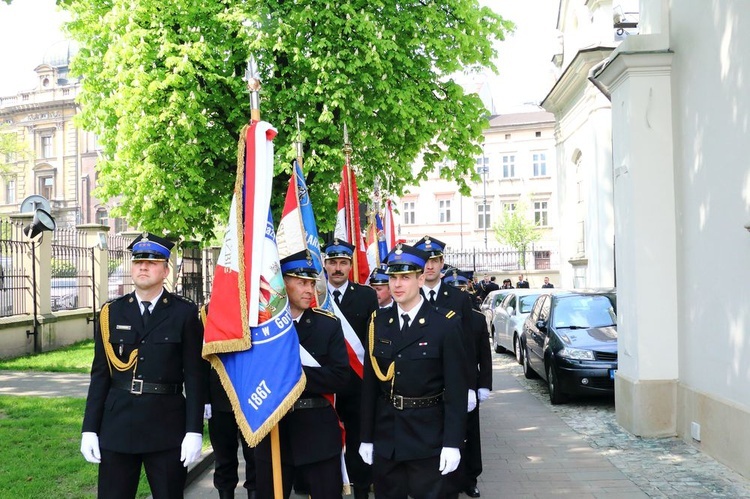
15	279
500	260
72	284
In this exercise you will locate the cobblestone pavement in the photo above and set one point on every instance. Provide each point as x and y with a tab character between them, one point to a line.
660	467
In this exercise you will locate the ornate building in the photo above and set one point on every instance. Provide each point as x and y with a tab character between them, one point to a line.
54	159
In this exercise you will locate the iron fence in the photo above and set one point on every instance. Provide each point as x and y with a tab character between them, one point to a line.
119	281
14	277
210	267
500	260
72	284
190	275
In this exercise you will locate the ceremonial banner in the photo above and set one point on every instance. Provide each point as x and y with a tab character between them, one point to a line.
390	226
249	336
377	249
347	225
299	231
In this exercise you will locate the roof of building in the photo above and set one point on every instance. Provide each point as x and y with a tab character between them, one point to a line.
525	118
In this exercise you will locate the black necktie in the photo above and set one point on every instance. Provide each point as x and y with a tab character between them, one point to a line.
432	297
337	297
405	317
146	312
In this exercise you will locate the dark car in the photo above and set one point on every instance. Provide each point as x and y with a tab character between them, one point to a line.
570	340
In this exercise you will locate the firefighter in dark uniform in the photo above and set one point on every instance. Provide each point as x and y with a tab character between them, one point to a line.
379	282
147	352
465	479
414	393
309	435
451	298
226	437
357	303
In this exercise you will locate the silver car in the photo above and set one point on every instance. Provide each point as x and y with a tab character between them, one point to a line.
507	322
490	304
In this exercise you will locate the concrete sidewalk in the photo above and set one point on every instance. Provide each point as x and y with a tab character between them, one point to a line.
531	449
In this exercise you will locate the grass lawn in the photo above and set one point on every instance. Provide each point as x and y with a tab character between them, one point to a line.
41	437
41	450
75	358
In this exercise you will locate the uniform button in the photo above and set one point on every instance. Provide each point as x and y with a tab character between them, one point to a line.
140	375
399	356
424	353
143	341
398	372
140	358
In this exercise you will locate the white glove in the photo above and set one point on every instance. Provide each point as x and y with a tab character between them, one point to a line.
191	448
207	411
365	452
472	401
483	394
90	447
449	459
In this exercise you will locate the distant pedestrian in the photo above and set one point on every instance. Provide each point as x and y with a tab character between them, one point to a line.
507	284
547	284
522	283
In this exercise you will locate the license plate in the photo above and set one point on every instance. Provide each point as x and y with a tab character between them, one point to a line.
612	373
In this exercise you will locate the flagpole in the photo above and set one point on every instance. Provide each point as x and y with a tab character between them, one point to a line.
298	144
253	85
350	219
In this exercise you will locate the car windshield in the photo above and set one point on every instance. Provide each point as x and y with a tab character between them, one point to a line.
584	311
526	303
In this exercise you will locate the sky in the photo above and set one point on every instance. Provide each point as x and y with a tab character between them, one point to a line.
28	28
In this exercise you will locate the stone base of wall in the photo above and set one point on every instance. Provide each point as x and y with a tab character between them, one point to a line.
646	408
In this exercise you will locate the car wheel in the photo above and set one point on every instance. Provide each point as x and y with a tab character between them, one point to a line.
556	396
517	349
528	372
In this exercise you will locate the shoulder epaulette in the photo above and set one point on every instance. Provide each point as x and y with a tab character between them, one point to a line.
185	299
323	311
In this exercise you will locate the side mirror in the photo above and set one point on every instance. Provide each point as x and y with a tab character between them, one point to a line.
541	326
511	310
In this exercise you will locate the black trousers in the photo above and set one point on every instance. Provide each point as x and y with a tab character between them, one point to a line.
119	474
470	466
225	440
323	478
348	407
419	478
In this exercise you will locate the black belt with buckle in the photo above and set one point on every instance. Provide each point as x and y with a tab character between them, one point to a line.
138	387
401	402
311	403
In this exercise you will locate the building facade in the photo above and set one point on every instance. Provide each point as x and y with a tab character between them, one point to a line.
517	171
54	159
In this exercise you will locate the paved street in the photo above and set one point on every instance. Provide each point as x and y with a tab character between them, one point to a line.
531	449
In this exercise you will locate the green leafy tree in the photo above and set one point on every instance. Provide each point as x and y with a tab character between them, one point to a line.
517	231
11	148
162	87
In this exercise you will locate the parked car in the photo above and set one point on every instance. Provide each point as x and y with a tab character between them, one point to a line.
570	340
490	303
64	293
507	323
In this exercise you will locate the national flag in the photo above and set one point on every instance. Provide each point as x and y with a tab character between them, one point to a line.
348	227
249	336
377	248
389	226
299	231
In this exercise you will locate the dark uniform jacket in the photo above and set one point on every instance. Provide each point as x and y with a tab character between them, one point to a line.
312	435
169	352
459	301
357	305
483	352
429	360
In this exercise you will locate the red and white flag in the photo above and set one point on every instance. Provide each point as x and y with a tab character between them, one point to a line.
347	225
